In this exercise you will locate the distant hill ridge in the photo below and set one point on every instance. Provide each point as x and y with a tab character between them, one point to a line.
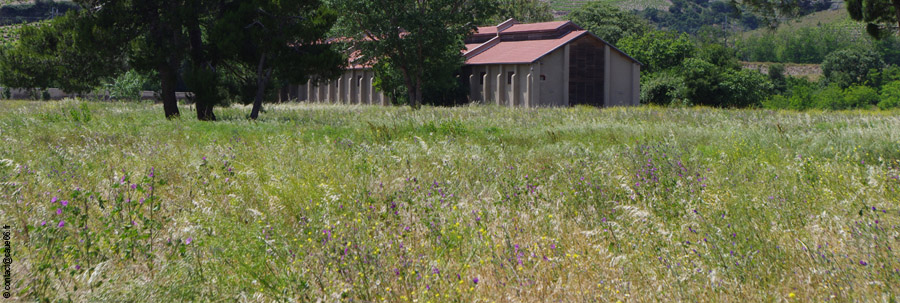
564	7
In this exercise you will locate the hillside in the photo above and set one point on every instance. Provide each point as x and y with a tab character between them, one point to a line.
836	17
563	7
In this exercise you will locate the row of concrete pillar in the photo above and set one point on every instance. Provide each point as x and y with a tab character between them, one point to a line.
354	87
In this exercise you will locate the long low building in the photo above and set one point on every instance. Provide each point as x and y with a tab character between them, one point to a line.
547	64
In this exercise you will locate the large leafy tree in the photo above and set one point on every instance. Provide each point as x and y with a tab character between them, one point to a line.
62	54
851	66
659	50
149	32
608	22
410	37
283	39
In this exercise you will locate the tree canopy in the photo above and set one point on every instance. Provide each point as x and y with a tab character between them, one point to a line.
608	22
410	39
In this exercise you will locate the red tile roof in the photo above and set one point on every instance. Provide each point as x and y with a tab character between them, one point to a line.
521	52
486	30
471	46
536	27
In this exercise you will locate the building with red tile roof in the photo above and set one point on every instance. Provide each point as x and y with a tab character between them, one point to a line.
523	65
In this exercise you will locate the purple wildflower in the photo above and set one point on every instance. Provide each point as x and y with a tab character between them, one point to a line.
863	263
64	203
59	211
53	200
61	223
188	240
475	280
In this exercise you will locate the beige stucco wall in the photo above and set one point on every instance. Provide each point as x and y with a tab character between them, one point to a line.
554	67
624	81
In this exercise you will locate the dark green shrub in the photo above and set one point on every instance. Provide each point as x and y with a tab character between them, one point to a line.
701	81
860	97
663	88
890	96
830	97
744	88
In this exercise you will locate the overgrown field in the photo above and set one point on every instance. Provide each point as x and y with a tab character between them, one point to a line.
111	202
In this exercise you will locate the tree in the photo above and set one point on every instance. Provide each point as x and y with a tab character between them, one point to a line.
412	36
60	54
890	96
658	50
150	33
851	66
879	15
283	39
608	22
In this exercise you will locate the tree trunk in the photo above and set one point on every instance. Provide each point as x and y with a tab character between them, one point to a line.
167	82
412	90
262	78
203	96
418	103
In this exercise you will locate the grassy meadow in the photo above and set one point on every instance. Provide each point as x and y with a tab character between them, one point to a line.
320	203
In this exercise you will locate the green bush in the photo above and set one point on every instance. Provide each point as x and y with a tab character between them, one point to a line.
744	88
663	88
799	97
127	86
831	97
890	96
860	97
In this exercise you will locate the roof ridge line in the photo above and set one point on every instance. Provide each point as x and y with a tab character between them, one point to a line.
506	25
483	47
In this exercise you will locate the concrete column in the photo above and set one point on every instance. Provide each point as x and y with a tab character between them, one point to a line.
309	90
348	90
360	90
513	99
369	89
498	93
606	76
566	65
485	88
529	83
